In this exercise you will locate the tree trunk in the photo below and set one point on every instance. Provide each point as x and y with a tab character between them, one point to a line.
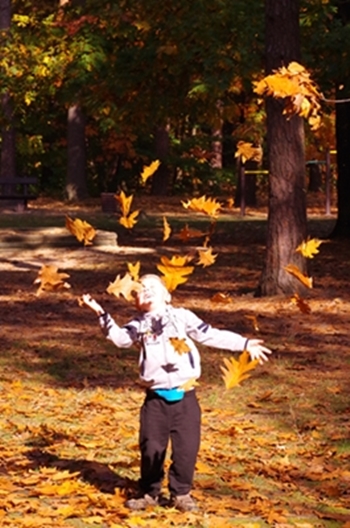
287	222
76	151
161	178
8	140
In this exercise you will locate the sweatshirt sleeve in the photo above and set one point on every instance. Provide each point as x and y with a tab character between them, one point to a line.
204	333
122	337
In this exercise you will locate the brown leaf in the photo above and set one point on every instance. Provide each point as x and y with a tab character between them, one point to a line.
82	230
295	271
125	287
50	279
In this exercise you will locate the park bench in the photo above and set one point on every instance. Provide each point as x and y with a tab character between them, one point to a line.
19	190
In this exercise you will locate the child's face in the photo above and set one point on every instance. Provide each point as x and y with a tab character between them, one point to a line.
152	296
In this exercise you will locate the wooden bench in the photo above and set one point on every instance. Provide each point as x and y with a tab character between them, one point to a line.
19	190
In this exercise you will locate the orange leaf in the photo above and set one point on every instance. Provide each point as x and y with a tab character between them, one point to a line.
234	372
223	298
246	151
301	304
124	286
295	271
186	233
166	229
125	202
50	279
203	204
83	231
206	257
180	345
129	221
254	320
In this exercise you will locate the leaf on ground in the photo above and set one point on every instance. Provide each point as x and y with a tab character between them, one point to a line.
254	320
166	229
309	248
149	170
125	287
206	257
295	271
82	230
174	271
129	221
234	372
179	344
222	298
50	279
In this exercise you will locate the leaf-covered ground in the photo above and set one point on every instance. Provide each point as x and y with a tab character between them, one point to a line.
275	451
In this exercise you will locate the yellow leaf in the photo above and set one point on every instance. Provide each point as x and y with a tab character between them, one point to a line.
174	273
149	170
189	385
246	151
124	286
204	205
50	279
295	271
166	229
309	248
125	202
234	372
134	270
129	221
83	231
180	345
206	257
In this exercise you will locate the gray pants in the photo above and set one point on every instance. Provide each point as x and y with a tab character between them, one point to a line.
178	422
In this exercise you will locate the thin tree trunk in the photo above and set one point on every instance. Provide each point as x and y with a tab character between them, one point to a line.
76	150
287	222
161	178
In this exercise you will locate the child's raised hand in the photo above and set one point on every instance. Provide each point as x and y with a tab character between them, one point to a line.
91	303
257	350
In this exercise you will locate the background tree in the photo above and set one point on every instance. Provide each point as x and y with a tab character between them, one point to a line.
287	222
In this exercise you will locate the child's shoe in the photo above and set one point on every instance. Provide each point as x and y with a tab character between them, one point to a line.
142	503
184	503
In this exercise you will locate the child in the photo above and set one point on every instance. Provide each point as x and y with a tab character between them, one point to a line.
168	411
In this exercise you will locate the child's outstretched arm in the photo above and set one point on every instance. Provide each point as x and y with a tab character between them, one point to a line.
257	350
91	303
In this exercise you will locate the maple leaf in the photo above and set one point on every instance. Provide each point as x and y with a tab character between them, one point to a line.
246	151
174	271
234	372
166	229
149	170
82	230
206	257
186	233
180	345
134	270
125	202
295	271
309	248
204	205
50	279
129	221
301	304
223	298
125	286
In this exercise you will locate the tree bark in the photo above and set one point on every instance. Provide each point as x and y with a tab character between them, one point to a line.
76	151
287	222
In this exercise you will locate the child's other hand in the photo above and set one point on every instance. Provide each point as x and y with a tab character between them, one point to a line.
91	303
258	351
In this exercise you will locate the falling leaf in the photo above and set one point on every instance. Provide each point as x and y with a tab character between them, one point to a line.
125	203
309	248
124	286
204	205
149	170
189	385
129	221
186	233
180	345
234	372
134	270
174	271
301	304
230	203
223	298
50	279
83	231
246	151
295	271
206	257
166	229
254	321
